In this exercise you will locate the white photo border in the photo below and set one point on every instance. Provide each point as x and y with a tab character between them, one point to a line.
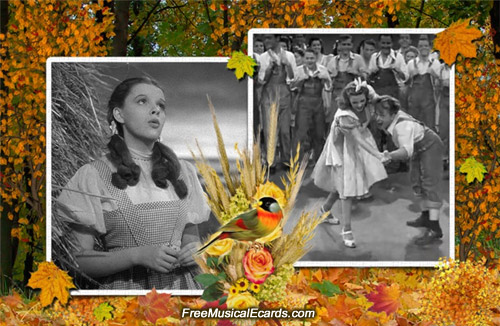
394	31
48	179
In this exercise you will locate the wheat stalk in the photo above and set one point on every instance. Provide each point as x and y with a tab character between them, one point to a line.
272	132
234	268
224	162
210	177
291	247
293	182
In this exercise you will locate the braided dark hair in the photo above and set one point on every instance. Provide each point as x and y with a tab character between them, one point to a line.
166	165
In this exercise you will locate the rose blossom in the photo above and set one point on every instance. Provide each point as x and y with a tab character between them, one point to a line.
258	265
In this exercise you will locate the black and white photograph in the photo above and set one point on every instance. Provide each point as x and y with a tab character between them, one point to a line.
128	208
370	109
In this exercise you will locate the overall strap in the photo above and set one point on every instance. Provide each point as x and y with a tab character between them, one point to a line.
125	205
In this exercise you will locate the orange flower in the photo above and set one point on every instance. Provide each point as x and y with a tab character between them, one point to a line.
258	265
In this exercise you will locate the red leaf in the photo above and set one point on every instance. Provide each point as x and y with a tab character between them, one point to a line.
155	305
385	298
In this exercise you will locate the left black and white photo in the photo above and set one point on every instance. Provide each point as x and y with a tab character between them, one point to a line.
127	209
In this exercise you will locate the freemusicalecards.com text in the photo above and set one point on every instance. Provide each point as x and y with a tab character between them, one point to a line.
249	313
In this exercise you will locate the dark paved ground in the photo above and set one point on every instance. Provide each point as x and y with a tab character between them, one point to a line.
379	224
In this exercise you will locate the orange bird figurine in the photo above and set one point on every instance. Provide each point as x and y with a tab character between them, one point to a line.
253	224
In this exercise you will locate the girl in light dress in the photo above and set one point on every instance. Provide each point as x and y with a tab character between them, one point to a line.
140	201
350	162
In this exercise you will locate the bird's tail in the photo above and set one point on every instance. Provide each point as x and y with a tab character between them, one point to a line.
221	236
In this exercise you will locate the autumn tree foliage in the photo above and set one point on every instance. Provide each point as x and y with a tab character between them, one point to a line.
478	135
36	32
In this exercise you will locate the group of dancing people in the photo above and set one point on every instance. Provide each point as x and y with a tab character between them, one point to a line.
356	114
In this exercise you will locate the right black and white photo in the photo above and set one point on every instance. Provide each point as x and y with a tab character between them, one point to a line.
369	110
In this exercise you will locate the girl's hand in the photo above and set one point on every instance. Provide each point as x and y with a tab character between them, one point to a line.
186	254
162	259
386	157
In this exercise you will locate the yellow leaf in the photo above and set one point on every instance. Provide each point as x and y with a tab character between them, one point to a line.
457	39
23	221
242	64
53	282
103	311
473	169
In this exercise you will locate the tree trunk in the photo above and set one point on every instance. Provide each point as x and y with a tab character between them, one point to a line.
495	26
226	23
138	41
390	22
419	19
121	28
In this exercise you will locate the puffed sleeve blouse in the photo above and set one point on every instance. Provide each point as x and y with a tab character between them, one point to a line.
85	197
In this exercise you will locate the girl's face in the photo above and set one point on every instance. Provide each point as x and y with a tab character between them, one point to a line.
284	46
316	46
358	102
410	55
310	59
299	60
142	115
383	117
258	47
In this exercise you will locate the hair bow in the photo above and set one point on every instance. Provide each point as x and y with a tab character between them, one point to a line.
359	83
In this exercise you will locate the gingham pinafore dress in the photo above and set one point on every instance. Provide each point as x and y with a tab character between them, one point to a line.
133	225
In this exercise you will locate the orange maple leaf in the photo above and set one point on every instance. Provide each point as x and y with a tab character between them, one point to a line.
53	282
13	301
457	39
155	305
385	298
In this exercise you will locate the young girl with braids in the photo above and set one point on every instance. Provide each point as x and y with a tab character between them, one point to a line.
350	162
139	200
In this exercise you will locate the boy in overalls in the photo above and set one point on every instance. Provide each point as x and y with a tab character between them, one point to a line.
344	68
384	66
422	70
276	71
424	148
311	80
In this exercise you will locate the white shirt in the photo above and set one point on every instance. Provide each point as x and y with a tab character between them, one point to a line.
394	60
337	64
91	198
444	74
405	133
267	57
303	72
418	66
